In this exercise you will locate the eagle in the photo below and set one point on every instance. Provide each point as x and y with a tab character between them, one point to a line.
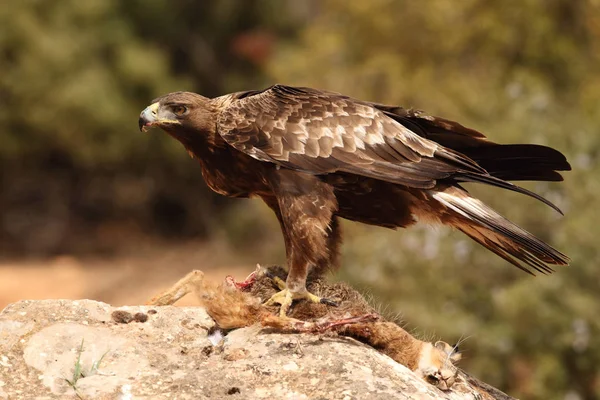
316	156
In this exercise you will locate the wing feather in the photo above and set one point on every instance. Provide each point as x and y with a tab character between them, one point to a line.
323	132
511	162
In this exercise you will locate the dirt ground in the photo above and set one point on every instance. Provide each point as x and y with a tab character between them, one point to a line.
129	278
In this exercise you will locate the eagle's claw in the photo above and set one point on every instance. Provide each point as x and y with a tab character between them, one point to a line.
285	298
329	302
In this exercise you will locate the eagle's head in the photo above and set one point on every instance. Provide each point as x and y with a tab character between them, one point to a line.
179	112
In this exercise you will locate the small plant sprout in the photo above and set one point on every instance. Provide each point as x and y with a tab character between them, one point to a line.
79	371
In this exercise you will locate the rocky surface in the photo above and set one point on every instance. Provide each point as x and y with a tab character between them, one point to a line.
90	350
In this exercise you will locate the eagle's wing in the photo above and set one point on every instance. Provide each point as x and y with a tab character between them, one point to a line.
511	162
323	132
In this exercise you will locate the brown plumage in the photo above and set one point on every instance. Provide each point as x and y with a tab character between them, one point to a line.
314	156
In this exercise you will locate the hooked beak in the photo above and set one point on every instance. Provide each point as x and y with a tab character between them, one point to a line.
148	117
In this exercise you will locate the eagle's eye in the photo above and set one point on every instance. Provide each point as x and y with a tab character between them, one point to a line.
179	110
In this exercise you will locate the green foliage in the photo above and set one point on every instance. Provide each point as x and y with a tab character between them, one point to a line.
72	76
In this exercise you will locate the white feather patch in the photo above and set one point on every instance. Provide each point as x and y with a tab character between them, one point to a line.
473	205
360	131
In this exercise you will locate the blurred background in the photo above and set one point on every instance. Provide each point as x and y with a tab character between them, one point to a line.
92	208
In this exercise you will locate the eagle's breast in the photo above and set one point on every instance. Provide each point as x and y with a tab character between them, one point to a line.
232	173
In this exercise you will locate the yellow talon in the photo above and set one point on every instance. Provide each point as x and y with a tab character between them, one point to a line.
280	283
285	297
311	297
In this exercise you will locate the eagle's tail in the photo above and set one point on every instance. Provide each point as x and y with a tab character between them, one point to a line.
519	162
488	228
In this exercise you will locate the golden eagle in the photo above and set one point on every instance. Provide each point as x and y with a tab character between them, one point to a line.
314	156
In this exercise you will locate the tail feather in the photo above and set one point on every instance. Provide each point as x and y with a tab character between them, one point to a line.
488	228
493	181
519	162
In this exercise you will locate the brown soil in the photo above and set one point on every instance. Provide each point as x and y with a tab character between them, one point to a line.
129	278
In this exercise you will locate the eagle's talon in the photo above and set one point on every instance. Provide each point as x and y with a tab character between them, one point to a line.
329	302
280	283
279	297
285	298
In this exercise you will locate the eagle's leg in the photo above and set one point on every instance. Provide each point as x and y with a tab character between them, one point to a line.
304	206
334	241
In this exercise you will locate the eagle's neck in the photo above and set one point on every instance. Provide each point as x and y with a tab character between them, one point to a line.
199	143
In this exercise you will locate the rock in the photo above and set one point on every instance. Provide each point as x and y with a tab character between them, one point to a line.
90	350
